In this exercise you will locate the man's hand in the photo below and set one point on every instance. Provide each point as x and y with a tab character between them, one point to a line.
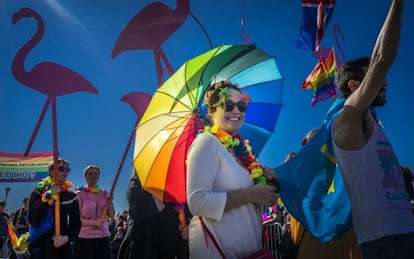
59	241
184	232
56	188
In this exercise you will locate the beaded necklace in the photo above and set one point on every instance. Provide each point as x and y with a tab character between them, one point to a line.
86	188
243	152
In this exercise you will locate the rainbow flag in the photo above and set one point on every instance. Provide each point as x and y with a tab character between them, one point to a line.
315	18
19	244
15	167
322	79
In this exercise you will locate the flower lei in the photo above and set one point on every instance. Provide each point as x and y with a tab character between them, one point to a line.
243	152
86	188
45	186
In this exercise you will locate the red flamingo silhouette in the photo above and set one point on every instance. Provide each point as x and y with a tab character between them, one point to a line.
49	78
150	28
139	102
324	52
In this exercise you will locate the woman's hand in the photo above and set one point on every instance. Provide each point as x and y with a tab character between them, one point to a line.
271	177
269	173
99	222
263	194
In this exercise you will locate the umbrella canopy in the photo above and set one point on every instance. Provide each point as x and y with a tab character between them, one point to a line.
177	112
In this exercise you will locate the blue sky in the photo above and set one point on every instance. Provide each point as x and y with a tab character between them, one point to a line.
95	128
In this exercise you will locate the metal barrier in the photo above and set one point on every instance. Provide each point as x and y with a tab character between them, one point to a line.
272	235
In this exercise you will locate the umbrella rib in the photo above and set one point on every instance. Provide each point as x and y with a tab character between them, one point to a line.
166	127
168	140
175	98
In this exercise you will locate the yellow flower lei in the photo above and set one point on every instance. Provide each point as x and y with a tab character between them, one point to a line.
242	152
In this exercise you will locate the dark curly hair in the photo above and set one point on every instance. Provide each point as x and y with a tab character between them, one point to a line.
352	70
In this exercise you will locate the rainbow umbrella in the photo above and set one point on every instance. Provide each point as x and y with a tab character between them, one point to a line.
177	112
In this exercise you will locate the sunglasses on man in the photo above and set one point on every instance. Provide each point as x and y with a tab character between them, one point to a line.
63	168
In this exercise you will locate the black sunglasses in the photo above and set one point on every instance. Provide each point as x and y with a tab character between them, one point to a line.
63	168
228	105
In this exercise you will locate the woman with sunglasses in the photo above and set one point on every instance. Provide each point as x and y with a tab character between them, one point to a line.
94	238
43	241
226	186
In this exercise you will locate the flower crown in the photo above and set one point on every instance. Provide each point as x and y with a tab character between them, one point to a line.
224	91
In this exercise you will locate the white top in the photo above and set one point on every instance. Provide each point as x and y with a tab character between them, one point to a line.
375	185
211	172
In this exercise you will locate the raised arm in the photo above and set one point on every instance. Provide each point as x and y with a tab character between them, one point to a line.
383	55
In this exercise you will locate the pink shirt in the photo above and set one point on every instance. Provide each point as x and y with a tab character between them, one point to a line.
91	207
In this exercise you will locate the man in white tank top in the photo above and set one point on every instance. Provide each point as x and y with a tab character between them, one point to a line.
381	213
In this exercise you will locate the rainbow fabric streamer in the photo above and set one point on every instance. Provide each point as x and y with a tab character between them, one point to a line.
19	244
322	79
315	18
179	207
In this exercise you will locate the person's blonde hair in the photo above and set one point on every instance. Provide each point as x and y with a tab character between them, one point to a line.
85	171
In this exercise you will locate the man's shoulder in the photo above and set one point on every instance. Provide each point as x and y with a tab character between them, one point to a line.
352	128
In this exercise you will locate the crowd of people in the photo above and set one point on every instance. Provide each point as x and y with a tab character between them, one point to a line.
87	226
228	190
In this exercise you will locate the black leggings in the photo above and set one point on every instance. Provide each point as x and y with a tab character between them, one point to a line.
92	248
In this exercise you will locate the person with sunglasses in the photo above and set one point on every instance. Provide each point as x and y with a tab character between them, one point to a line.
42	240
94	237
227	189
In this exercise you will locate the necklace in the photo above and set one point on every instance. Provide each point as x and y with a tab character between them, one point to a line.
86	188
45	187
243	152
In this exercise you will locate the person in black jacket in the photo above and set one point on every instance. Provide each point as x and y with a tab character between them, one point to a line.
139	238
43	241
154	230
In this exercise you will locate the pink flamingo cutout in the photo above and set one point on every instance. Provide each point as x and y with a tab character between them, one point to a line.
49	78
139	102
150	28
324	52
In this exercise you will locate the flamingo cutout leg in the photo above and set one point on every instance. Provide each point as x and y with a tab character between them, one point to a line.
158	66
167	63
54	127
36	129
